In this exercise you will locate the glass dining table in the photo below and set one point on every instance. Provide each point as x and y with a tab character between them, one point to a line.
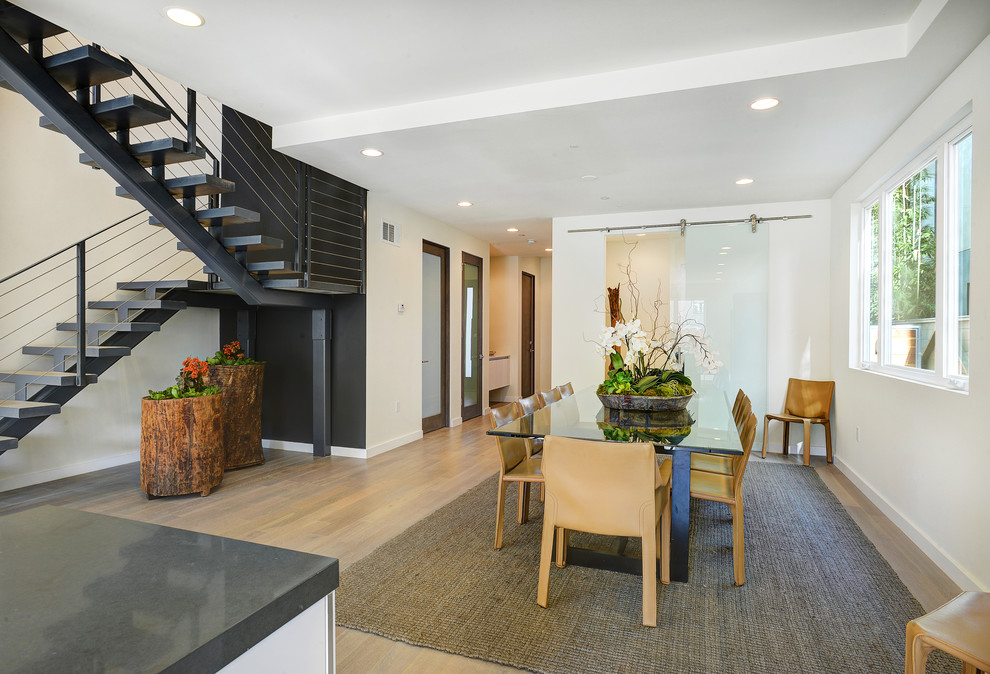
705	426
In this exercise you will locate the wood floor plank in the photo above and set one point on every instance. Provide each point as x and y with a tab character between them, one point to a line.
345	508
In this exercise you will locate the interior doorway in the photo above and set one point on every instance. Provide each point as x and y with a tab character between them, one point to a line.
472	357
527	374
436	336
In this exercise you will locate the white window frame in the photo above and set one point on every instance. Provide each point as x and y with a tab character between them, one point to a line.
946	268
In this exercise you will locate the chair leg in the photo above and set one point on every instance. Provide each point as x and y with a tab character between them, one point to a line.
916	650
563	540
500	513
766	428
807	443
787	438
522	512
738	542
543	492
650	578
664	543
546	551
828	442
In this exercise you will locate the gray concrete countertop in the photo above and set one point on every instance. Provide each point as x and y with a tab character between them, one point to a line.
81	592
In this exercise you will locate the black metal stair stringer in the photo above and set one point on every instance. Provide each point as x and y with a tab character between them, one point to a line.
34	83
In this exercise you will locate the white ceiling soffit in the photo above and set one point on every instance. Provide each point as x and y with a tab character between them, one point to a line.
509	104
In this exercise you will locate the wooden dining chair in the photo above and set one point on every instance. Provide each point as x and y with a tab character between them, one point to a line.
729	489
721	463
566	390
550	397
607	488
960	627
807	402
515	466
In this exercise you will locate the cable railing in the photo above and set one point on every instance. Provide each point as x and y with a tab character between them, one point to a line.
38	297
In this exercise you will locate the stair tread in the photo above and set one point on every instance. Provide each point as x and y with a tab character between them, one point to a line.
166	285
191	186
7	443
85	66
270	267
92	351
123	326
170	305
250	242
24	26
159	151
126	112
46	377
22	409
225	215
267	283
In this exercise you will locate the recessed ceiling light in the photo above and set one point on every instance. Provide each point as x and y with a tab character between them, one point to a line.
589	177
531	241
764	103
744	181
643	234
723	253
184	17
549	250
721	264
464	204
726	247
606	198
372	152
512	229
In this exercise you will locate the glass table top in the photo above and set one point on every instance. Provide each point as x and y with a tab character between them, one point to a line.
706	424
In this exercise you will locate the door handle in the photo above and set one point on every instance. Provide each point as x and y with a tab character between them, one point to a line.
425	362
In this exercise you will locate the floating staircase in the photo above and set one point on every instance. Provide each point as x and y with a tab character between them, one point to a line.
139	168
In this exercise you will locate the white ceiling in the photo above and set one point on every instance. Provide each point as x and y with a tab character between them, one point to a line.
508	104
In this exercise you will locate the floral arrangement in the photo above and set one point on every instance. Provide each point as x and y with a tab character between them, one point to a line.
189	384
231	354
647	360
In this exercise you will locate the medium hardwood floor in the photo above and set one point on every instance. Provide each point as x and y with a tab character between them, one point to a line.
345	508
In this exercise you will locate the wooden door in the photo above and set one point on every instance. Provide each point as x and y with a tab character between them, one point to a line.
472	357
436	336
527	374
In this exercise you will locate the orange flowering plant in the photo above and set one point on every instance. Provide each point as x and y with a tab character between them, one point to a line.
190	382
231	354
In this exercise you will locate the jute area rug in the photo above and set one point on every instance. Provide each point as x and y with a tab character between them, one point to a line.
818	596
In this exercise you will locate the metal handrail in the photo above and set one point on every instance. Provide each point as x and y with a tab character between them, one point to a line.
71	246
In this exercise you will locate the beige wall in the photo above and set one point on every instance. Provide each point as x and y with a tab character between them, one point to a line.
394	343
922	453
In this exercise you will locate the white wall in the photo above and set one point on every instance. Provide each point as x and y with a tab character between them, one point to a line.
101	427
394	342
798	327
506	320
923	454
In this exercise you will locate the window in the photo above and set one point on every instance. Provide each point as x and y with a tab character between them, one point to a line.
914	267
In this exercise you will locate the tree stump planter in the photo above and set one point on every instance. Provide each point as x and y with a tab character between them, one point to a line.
241	412
181	445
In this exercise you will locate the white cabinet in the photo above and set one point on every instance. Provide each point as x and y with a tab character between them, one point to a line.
498	372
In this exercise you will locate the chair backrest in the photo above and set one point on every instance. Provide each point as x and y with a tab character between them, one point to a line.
809	399
566	390
741	414
600	487
549	397
511	451
747	435
530	404
735	405
503	414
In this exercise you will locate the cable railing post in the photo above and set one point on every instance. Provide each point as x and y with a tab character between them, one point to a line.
81	313
190	119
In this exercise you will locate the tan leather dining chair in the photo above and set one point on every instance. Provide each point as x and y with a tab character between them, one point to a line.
566	390
960	627
549	397
607	488
729	489
807	402
720	463
515	465
528	405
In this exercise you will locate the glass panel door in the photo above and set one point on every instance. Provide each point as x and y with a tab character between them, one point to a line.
435	330
471	338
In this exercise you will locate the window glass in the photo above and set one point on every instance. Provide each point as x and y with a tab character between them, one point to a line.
963	164
873	301
912	271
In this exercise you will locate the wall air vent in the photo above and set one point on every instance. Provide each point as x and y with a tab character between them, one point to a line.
391	233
